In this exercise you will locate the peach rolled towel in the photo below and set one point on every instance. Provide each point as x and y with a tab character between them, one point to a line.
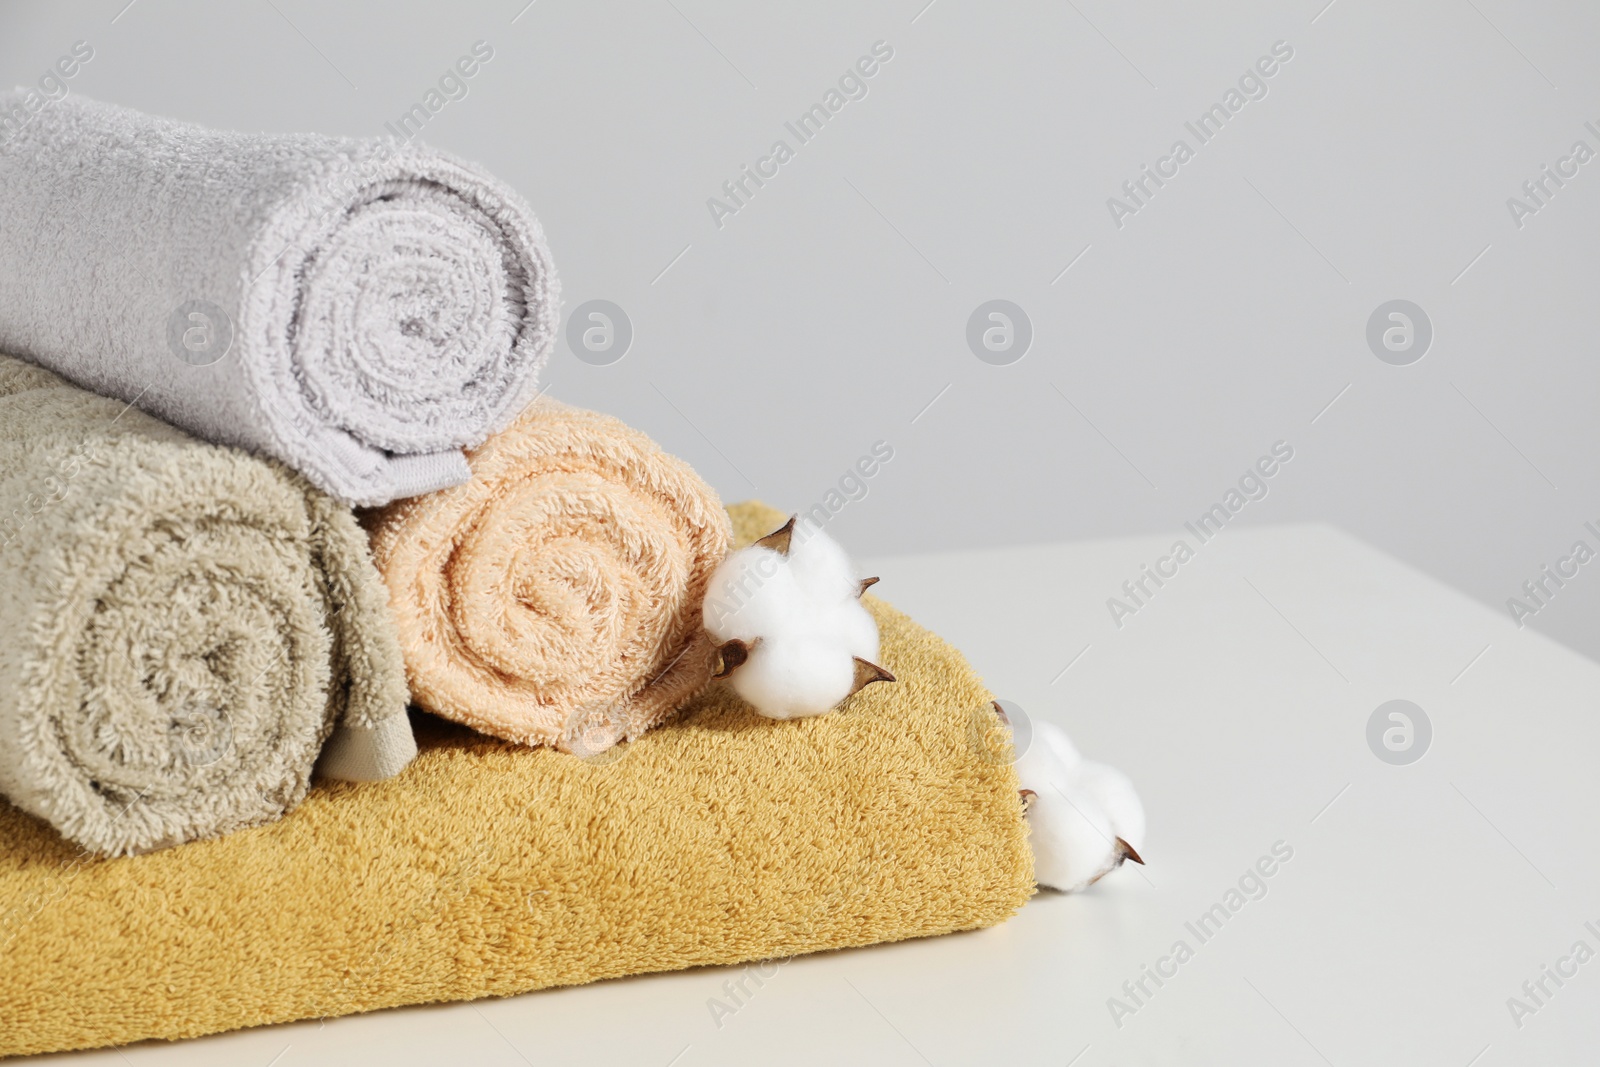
554	598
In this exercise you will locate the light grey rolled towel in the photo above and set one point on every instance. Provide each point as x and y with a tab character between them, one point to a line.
360	309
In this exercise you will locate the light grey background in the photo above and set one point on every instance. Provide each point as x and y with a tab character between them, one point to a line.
826	315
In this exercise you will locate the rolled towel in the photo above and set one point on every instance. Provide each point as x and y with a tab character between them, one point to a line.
554	599
182	627
359	309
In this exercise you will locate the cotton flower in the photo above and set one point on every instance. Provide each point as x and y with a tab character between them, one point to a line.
1085	818
787	614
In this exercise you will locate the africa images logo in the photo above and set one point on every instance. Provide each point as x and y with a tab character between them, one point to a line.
852	85
1252	85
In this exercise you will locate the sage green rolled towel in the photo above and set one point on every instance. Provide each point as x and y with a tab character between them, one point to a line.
184	628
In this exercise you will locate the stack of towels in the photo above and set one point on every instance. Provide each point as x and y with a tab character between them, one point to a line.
217	347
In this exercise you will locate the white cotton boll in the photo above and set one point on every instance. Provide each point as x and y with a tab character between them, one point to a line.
826	576
1040	767
1113	793
789	615
857	628
794	677
846	622
1049	761
751	593
1078	814
1054	740
1073	844
821	568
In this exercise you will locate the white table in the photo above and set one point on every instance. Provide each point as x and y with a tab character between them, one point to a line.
1419	898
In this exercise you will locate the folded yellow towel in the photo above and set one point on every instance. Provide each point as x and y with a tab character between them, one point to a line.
487	869
554	599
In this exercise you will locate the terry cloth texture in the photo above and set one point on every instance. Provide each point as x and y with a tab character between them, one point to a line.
182	626
554	599
359	309
488	869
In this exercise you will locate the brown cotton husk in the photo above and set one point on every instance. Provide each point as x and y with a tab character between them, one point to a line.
732	654
866	674
780	539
